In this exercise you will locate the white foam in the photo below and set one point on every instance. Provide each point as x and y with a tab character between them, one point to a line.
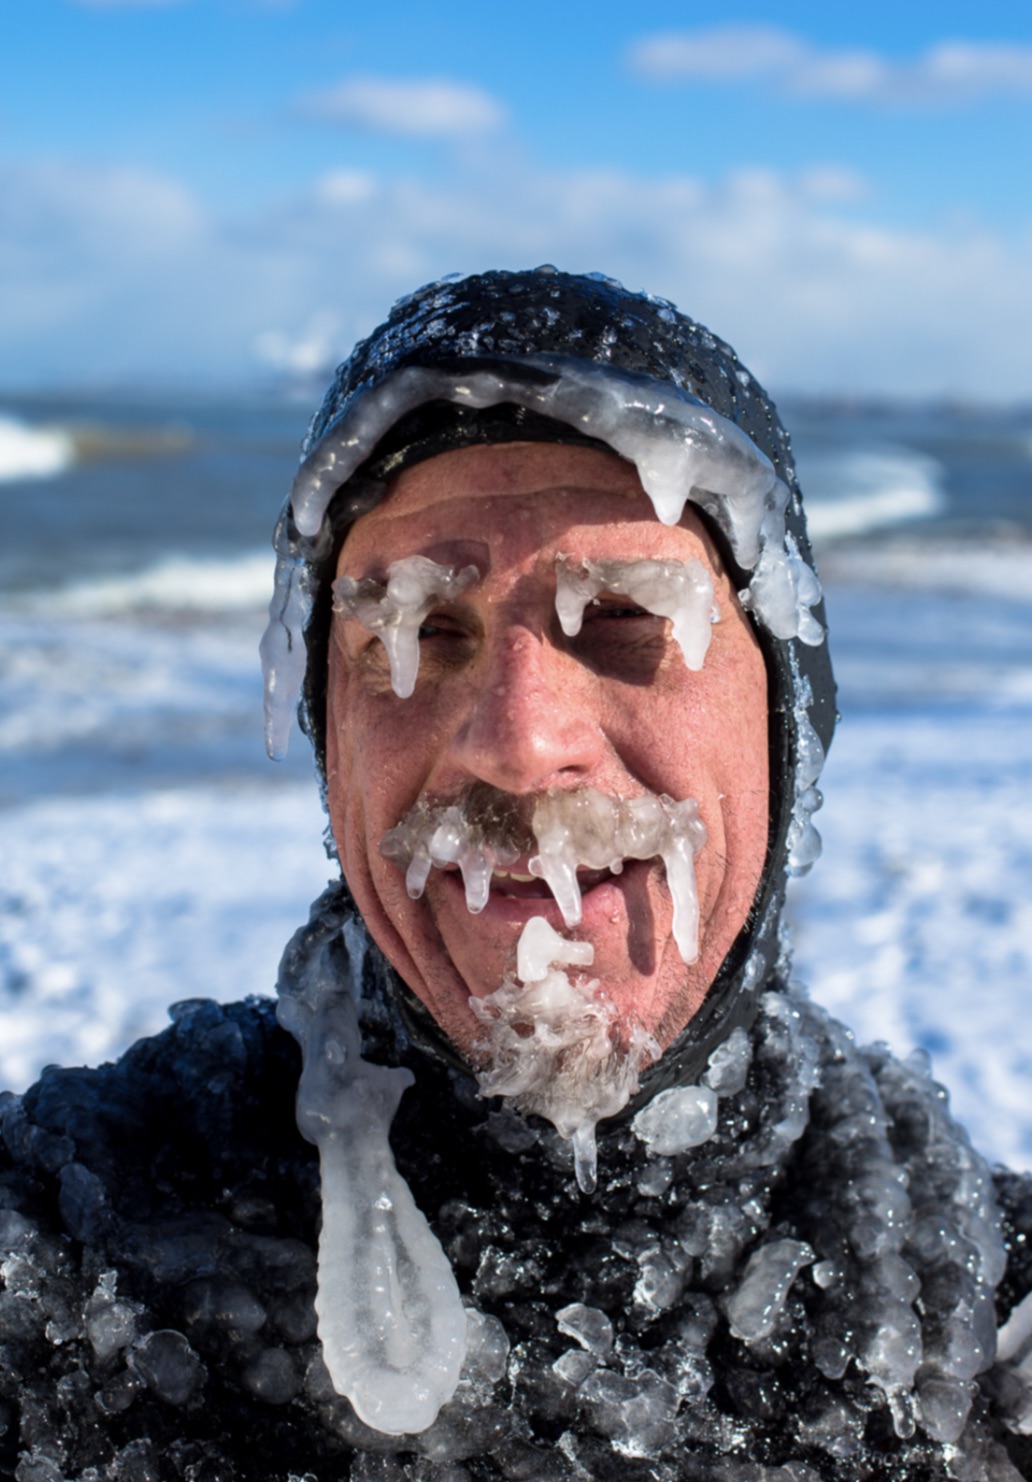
28	452
992	567
865	489
174	584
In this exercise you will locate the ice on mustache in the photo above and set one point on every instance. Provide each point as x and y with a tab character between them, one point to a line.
572	828
442	834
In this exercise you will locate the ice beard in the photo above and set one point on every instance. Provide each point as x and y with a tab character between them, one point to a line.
550	1046
553	1042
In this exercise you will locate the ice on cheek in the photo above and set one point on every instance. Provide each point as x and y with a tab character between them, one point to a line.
679	590
394	610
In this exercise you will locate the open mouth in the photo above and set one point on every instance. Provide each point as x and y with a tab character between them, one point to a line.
584	839
519	885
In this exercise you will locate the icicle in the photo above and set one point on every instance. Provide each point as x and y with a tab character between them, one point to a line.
391	1322
394	609
679	590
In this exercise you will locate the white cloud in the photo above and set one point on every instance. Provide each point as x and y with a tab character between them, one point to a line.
312	349
719	52
428	107
946	74
124	4
118	274
345	187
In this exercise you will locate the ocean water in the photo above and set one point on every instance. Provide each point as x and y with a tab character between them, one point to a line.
149	852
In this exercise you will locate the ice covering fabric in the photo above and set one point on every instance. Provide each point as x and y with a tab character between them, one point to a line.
810	1292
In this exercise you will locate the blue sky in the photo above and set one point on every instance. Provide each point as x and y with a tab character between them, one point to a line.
210	190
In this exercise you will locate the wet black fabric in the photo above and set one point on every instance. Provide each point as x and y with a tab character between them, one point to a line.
158	1220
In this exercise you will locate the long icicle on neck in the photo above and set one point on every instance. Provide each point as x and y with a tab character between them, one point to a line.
391	1320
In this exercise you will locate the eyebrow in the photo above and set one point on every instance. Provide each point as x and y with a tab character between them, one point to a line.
679	590
395	608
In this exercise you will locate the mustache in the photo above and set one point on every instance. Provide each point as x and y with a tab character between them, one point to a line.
560	830
482	829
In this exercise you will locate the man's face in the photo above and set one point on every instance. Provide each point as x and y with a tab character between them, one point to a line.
503	697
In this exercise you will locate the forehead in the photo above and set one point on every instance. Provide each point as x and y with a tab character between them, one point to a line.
515	500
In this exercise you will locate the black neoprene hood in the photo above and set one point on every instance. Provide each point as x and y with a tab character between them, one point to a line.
528	329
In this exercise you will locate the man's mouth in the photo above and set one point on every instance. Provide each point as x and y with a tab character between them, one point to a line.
583	838
522	886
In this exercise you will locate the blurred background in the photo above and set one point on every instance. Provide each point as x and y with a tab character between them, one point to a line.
204	202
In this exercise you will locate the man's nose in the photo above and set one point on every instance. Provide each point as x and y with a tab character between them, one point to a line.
533	722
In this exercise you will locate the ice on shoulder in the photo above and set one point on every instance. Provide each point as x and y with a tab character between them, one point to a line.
679	590
394	609
549	1044
391	1321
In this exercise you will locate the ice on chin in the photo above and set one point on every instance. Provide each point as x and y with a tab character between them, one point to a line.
679	590
549	1044
573	828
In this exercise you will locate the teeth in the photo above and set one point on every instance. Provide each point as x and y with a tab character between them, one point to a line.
512	875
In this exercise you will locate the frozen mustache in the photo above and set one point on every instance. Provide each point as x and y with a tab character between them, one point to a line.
569	828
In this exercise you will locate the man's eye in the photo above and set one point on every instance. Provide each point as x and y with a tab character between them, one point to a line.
615	610
437	628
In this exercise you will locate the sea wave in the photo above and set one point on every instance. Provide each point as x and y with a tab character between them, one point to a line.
33	452
990	567
176	584
860	490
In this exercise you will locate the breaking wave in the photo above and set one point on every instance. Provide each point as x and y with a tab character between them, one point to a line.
176	584
39	450
861	490
33	452
989	567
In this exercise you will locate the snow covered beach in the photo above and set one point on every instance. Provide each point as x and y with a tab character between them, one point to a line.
150	854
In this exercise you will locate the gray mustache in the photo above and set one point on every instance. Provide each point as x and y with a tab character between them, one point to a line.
487	829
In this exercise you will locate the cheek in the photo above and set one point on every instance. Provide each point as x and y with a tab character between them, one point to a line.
376	768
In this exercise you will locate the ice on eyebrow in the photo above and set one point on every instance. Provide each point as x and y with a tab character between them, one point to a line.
679	590
394	609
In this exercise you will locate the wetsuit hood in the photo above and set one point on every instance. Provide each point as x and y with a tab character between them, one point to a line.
548	356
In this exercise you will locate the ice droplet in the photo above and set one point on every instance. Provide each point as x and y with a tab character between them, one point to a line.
755	1305
677	1119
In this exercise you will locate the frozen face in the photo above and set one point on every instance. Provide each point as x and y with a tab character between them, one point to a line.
505	702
